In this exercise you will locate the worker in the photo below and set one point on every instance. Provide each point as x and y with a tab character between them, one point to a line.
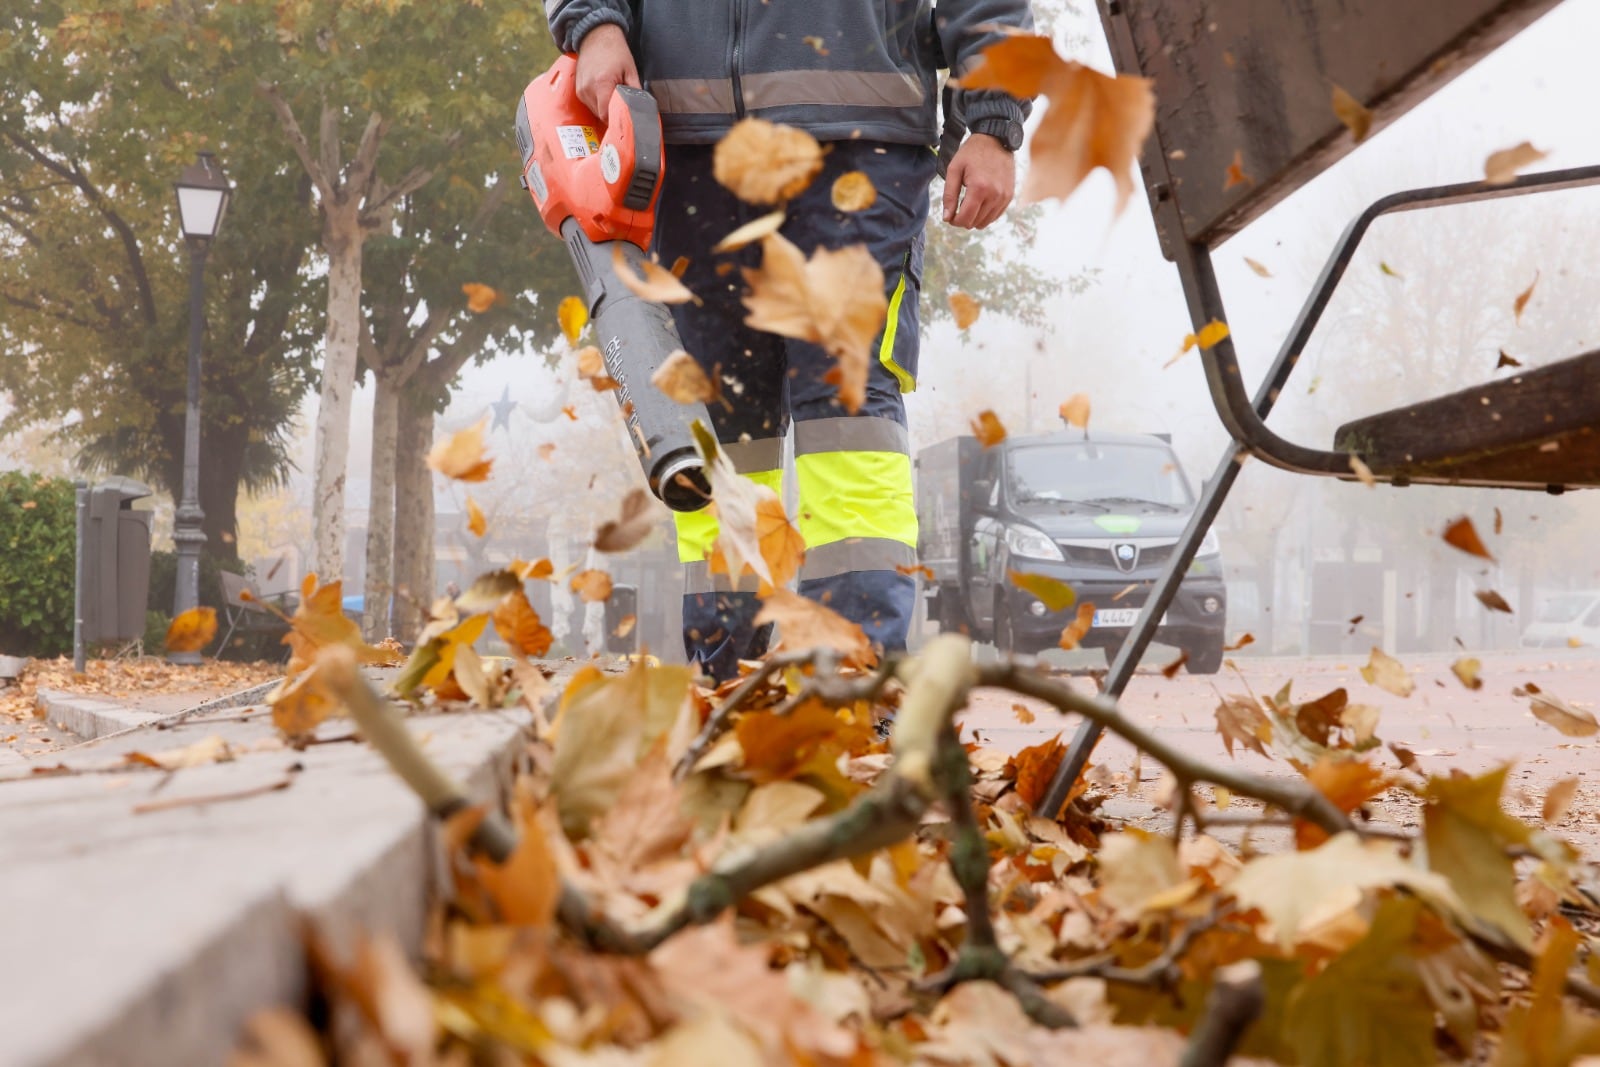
861	77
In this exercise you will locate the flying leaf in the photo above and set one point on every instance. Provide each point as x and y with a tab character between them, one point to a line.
1492	600
1023	714
300	702
1467	834
1171	670
1389	271
1074	631
803	624
1466	670
1568	718
986	427
590	362
1209	335
1545	1030
1235	174
1241	719
1347	783
965	309
487	591
835	300
1501	167
682	379
777	544
1075	410
658	284
750	232
806	742
853	191
764	163
528	571
1244	639
1055	594
1558	799
480	298
1386	672
1506	361
592	586
573	315
192	630
1463	535
638	517
460	456
319	621
1362	472
1524	296
1259	268
475	520
1357	119
1092	120
519	626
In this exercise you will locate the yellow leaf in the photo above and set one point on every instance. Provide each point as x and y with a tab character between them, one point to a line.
461	455
1055	594
988	429
593	586
445	647
1074	631
682	379
1524	296
1351	112
300	702
750	232
965	309
1092	120
475	520
853	191
573	315
805	624
1209	335
657	285
480	298
1136	867
764	163
527	571
1386	672
1075	410
192	630
1558	799
1545	1031
1466	670
519	626
1467	834
1501	167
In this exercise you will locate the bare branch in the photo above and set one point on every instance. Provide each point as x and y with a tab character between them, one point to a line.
365	162
297	140
717	722
328	138
1236	1000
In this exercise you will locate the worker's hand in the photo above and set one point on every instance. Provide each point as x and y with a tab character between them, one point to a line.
604	62
979	183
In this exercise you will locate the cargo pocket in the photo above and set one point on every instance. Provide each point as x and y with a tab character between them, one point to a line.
897	351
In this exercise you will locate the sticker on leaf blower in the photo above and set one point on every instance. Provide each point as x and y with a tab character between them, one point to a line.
578	141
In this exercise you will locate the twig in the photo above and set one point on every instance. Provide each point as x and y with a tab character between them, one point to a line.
717	722
1236	1000
1159	972
1295	797
211	798
838	691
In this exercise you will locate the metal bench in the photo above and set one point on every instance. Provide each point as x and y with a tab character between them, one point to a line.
1255	77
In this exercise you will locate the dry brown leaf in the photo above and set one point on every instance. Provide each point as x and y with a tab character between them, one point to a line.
1569	719
1235	174
591	363
750	232
475	520
526	888
593	586
853	191
803	624
480	298
986	427
1023	714
1466	671
519	626
778	545
1493	601
1501	167
1081	624
1524	296
638	517
965	309
212	749
911	570
682	379
1171	669
460	456
192	630
1386	672
1075	409
1506	361
1244	639
1347	783
573	315
764	163
1463	535
658	284
529	570
1092	120
1558	799
1258	267
1035	766
1351	112
1241	719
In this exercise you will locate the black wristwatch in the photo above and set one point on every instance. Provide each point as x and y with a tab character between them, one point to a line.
1007	131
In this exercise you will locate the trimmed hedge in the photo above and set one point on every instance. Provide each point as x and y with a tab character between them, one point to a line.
38	528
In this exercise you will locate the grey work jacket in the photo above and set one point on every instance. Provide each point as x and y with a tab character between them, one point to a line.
840	69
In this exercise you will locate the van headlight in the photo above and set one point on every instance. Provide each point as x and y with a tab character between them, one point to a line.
1026	541
1209	545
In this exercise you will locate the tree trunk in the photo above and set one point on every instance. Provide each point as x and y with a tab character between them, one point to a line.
413	508
221	470
338	382
377	622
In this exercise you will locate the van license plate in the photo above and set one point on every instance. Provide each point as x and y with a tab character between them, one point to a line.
1116	617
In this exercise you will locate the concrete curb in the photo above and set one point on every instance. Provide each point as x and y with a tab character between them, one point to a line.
89	717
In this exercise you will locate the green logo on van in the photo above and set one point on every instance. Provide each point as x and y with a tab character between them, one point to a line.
1117	524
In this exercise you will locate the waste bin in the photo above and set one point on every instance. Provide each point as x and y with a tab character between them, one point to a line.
116	571
623	602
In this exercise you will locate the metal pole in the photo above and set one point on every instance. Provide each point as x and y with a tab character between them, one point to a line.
80	592
187	534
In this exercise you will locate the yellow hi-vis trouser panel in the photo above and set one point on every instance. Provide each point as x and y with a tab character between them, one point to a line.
697	530
856	509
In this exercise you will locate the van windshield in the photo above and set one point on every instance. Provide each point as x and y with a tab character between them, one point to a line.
1565	608
1087	472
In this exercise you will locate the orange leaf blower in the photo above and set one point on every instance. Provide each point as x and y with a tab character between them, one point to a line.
596	186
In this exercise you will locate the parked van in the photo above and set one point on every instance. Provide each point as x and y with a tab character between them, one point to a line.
1565	619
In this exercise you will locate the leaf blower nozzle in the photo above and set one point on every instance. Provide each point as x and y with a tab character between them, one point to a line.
596	186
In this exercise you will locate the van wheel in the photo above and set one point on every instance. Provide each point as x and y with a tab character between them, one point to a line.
1206	658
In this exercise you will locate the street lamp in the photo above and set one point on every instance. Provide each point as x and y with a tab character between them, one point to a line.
202	198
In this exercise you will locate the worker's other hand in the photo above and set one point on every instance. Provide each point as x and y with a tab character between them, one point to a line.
604	62
979	183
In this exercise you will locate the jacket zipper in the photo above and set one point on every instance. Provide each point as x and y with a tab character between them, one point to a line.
737	46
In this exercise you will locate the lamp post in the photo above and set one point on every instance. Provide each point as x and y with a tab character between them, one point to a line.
202	199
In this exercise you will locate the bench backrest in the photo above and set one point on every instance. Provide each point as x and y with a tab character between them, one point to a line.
233	588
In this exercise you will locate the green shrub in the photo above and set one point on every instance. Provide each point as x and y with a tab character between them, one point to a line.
38	528
155	631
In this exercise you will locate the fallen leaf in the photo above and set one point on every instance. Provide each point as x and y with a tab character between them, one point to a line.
520	627
853	191
592	586
480	298
460	456
1544	1030
803	624
1035	767
750	232
526	887
1463	535
1501	167
475	520
764	163
1075	410
1092	120
1259	268
658	284
639	516
1466	669
986	427
1055	594
1571	720
1493	601
192	630
1024	716
212	749
965	309
1240	719
1506	361
1347	783
1386	672
1235	174
682	379
573	315
1357	119
1524	296
1137	867
1558	799
1362	472
300	702
1075	630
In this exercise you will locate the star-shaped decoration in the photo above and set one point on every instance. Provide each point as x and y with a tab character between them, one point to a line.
502	409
